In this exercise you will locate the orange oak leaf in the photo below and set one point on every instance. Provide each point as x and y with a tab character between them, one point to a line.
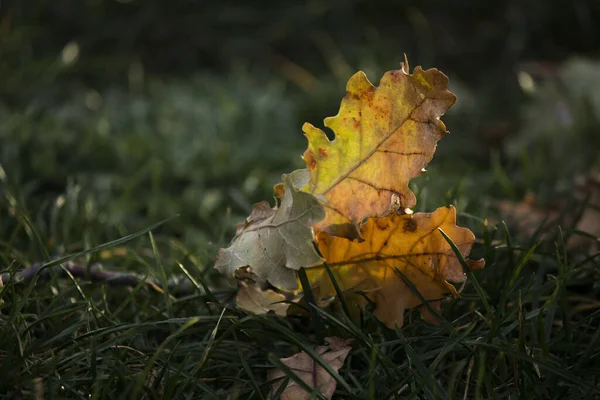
384	137
396	245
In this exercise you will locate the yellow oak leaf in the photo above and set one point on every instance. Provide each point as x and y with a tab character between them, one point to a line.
384	137
396	245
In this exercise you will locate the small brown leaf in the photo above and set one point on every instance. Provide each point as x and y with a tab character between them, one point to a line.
588	188
251	298
527	216
311	372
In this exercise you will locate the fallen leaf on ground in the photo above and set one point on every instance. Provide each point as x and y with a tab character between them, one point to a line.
312	373
588	189
378	251
384	137
275	242
413	245
528	216
254	299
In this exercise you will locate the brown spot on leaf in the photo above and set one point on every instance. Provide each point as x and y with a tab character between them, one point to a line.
323	152
410	225
382	223
311	162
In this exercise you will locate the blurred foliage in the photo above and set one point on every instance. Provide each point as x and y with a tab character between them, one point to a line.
200	146
100	41
190	148
137	111
560	127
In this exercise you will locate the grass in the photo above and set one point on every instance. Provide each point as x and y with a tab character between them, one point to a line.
201	152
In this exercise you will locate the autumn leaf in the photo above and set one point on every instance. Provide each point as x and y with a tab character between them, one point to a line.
377	250
274	242
588	189
254	299
312	373
298	179
384	137
528	217
410	245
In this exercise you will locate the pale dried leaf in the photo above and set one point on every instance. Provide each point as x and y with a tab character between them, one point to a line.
275	242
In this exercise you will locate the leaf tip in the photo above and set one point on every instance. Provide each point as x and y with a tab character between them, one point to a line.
476	264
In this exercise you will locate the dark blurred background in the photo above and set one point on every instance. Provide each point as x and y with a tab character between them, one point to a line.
116	113
469	39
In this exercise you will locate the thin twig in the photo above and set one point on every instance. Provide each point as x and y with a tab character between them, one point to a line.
79	270
97	274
